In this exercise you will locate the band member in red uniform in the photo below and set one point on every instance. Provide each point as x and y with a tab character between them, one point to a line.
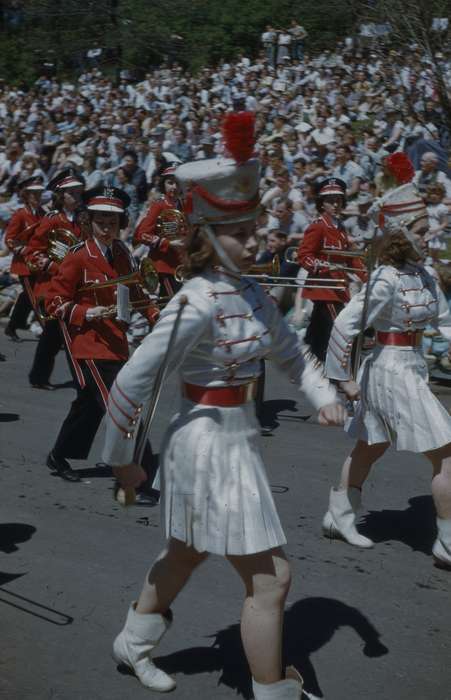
162	229
20	228
326	234
96	339
67	187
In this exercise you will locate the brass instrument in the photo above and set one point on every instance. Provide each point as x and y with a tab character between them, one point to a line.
269	269
317	283
146	277
60	241
171	224
291	254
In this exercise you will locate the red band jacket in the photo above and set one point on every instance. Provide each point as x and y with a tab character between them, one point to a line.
102	338
164	257
319	238
19	231
38	246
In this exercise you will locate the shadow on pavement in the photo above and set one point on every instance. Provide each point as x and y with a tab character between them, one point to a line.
414	526
309	625
9	417
12	533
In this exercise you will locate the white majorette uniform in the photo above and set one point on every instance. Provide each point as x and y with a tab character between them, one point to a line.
215	492
396	404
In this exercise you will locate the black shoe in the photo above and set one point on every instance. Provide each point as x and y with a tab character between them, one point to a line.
44	386
11	333
62	467
2	358
142	498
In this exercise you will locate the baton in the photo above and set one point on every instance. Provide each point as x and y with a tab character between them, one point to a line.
126	496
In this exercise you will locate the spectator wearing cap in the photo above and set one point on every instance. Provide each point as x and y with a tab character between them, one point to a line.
67	188
94	334
18	232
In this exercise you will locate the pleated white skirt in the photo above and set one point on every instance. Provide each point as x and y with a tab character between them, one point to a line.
215	491
397	405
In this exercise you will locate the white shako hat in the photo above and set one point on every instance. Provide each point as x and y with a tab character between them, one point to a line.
402	205
224	190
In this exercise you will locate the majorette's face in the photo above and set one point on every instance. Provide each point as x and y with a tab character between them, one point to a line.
239	242
105	226
333	205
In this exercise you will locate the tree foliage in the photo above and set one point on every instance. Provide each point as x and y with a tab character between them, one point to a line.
136	34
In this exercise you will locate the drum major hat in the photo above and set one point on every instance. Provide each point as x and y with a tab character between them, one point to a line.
224	190
67	178
31	184
331	186
109	199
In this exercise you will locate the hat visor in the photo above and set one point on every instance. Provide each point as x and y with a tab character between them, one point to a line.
112	208
33	188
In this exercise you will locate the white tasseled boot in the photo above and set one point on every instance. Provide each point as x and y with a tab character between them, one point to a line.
133	647
288	689
442	545
339	521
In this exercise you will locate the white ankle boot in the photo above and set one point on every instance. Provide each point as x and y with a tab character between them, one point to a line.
442	545
133	647
288	689
339	521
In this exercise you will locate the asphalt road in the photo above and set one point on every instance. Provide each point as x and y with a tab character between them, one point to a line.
359	624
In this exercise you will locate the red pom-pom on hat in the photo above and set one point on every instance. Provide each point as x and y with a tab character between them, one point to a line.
238	133
400	166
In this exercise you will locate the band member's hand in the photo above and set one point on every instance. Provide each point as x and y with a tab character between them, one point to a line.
351	389
332	414
41	262
177	243
130	476
96	312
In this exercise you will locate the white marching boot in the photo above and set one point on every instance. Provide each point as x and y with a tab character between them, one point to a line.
133	647
442	545
339	521
288	689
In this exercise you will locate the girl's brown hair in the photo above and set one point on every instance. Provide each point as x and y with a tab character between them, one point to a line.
396	251
198	253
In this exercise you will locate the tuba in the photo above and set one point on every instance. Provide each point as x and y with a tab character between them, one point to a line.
171	224
60	241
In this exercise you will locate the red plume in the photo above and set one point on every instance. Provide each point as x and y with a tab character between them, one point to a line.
400	166
238	134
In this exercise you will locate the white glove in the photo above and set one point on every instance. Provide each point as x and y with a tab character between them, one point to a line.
96	312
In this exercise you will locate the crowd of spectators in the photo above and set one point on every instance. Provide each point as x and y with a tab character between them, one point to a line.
339	113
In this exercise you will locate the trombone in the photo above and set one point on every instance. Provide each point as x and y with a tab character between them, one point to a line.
146	276
291	256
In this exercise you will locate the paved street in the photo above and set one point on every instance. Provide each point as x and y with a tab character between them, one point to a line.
373	625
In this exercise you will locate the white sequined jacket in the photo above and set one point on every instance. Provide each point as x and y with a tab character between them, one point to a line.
402	300
227	327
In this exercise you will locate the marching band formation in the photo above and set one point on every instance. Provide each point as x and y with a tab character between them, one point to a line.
215	325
